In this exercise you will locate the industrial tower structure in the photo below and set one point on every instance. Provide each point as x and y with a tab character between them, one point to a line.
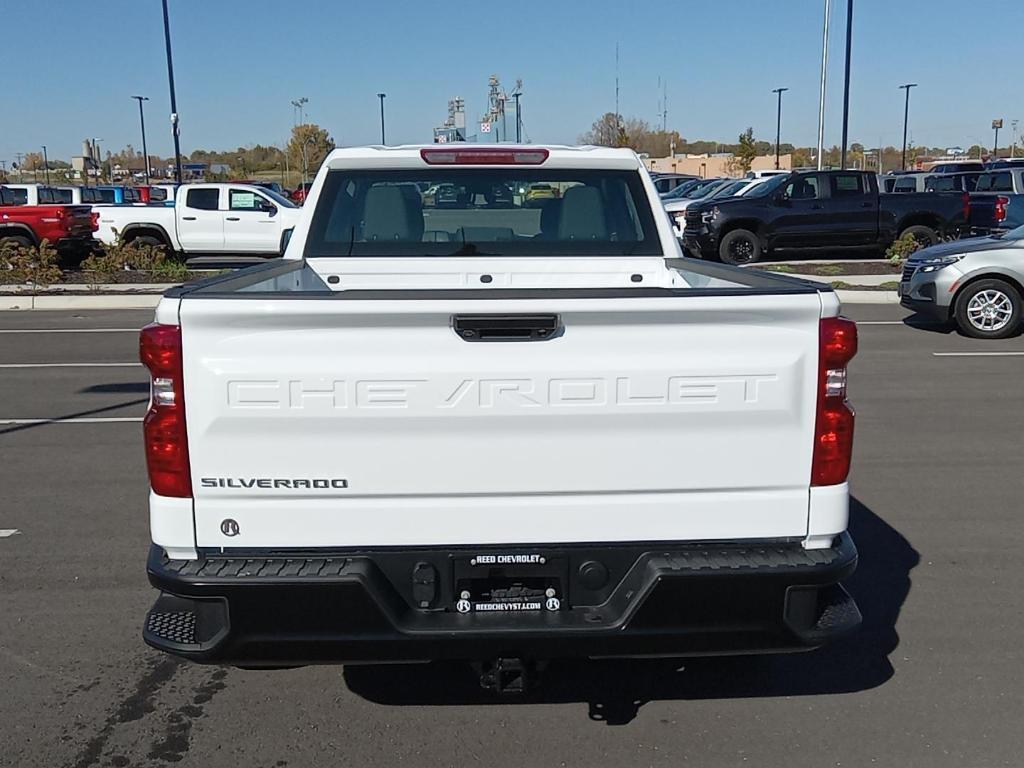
494	123
454	127
496	100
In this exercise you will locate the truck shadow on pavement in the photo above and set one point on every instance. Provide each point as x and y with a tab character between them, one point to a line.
924	323
615	690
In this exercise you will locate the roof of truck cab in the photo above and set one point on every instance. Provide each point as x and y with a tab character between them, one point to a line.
408	156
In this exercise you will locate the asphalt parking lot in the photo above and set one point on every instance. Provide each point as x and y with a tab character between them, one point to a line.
935	677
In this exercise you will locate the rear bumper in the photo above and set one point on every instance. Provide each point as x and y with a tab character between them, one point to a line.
677	600
78	241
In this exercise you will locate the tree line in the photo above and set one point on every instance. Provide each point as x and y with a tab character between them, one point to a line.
611	130
306	149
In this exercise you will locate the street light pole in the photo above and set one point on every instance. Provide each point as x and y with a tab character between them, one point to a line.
778	124
821	96
46	166
381	97
906	114
142	122
846	84
174	101
519	121
996	125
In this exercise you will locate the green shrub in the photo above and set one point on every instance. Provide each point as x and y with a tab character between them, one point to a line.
30	264
901	249
830	269
107	261
171	269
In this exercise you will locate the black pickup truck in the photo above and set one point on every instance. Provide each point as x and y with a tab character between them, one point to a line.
819	210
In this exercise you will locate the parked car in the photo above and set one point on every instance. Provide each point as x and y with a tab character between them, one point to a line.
271	185
69	228
910	182
1006	162
766	174
500	196
298	195
536	194
454	196
952	182
666	182
36	194
683	189
206	218
80	195
997	202
676	209
975	283
164	193
818	210
42	194
957	166
342	444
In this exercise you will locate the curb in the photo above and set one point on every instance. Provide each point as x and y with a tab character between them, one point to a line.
868	297
126	301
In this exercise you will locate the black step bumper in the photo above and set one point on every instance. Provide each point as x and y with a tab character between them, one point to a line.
681	600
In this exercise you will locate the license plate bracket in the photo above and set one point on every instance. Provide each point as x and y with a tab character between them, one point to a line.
510	582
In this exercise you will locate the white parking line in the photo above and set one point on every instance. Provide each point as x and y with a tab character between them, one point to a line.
6	533
73	420
978	354
70	365
69	330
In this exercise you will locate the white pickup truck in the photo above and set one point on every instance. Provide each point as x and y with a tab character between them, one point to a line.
495	431
207	219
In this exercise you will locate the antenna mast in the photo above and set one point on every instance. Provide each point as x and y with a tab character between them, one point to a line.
618	119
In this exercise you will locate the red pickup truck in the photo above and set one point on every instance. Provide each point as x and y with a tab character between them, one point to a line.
68	227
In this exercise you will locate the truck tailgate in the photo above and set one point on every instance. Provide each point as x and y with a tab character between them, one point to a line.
341	422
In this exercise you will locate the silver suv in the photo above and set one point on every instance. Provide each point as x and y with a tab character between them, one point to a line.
976	283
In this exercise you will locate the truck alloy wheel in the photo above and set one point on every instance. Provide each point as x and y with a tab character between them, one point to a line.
989	309
16	240
740	246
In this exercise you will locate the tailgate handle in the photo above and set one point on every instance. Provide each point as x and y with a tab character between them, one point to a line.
507	327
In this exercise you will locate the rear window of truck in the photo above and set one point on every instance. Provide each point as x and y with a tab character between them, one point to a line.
995	182
482	212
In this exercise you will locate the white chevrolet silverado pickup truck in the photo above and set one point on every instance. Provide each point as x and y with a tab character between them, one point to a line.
495	431
206	219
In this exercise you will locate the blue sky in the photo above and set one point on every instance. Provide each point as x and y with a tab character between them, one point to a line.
239	64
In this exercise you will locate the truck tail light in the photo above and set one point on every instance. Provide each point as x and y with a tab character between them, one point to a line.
164	424
1001	203
496	156
94	220
833	429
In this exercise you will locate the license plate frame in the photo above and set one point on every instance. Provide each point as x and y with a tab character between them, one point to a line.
510	582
